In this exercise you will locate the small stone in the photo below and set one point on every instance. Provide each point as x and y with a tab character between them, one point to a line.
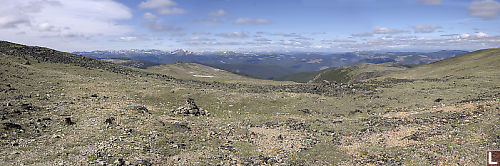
109	121
305	111
119	161
68	121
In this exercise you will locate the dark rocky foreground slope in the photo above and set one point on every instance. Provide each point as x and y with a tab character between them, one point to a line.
62	109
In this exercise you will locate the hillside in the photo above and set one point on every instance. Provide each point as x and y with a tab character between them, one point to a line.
301	77
132	63
262	71
346	74
194	71
482	63
58	108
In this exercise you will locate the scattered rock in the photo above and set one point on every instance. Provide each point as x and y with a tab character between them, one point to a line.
141	109
93	95
190	108
11	126
305	111
68	121
109	121
355	111
145	163
438	100
119	161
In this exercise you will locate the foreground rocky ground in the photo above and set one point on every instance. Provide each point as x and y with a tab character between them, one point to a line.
85	112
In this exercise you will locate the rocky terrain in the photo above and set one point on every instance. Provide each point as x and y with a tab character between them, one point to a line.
63	109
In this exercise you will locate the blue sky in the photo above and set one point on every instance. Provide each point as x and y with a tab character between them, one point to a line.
253	25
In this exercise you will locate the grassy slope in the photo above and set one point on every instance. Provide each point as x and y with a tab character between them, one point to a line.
263	71
194	71
346	74
301	77
478	63
399	123
132	63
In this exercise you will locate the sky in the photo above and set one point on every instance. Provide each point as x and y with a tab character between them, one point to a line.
253	25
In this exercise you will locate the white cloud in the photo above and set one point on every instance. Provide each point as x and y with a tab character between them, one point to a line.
339	41
362	34
481	35
425	28
197	38
59	21
12	21
383	30
210	20
379	30
218	13
286	34
233	35
485	9
158	27
162	6
473	36
261	39
294	43
149	16
251	21
129	39
201	33
430	2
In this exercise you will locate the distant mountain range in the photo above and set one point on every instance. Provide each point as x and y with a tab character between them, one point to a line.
273	65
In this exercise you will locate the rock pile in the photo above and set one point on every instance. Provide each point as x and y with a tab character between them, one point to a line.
190	108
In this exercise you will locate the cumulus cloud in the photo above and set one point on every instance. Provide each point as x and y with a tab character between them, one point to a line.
369	34
294	43
485	9
383	30
261	39
233	35
12	21
430	2
379	30
425	28
473	36
213	43
201	33
286	34
218	13
158	27
251	21
162	6
210	20
59	21
129	39
149	16
339	41
197	38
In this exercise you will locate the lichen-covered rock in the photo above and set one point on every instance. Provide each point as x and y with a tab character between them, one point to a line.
190	108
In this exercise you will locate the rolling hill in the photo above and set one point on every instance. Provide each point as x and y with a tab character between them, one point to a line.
347	74
194	71
482	63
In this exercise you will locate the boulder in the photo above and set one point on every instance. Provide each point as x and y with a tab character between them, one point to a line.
190	108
